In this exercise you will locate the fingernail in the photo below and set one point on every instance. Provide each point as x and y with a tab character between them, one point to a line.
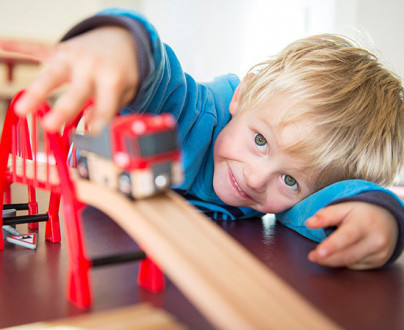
96	126
20	106
48	122
322	253
311	220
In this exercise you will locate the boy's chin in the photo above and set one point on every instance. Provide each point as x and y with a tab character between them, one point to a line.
229	200
223	196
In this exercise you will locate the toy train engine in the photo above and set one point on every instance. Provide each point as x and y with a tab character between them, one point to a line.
137	155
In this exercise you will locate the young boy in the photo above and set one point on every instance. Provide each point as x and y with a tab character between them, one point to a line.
283	140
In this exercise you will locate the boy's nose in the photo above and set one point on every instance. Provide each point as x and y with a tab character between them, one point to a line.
256	177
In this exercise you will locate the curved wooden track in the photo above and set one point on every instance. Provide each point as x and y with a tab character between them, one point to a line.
224	281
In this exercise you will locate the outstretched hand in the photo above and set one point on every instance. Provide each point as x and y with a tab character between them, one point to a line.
100	64
365	238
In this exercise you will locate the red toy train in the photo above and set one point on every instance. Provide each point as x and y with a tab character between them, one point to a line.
137	155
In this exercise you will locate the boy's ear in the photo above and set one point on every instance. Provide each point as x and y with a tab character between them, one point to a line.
235	100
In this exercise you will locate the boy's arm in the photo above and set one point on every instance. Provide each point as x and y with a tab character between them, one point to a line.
118	59
361	211
111	57
149	79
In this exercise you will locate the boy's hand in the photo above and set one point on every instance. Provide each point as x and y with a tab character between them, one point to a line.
365	238
99	64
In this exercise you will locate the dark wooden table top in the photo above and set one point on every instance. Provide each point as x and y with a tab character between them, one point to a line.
33	282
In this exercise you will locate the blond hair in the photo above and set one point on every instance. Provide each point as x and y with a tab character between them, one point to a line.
354	103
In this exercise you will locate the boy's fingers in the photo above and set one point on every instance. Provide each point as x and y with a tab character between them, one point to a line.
357	256
106	107
67	106
38	50
341	239
52	77
329	216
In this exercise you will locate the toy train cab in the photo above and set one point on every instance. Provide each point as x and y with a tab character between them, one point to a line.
138	155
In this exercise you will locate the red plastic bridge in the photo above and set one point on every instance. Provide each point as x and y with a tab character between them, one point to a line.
20	162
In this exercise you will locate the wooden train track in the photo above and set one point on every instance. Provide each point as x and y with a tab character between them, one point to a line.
218	275
140	316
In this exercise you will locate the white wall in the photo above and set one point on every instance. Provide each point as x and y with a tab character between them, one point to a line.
382	21
48	19
213	37
217	36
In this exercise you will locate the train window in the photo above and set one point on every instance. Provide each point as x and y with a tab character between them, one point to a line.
155	144
152	144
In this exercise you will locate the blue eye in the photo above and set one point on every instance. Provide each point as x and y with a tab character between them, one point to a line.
290	182
261	142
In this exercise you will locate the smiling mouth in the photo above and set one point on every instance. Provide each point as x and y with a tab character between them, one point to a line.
237	187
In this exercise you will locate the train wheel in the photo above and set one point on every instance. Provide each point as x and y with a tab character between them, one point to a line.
125	184
82	168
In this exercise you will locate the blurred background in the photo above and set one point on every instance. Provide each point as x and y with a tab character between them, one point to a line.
212	37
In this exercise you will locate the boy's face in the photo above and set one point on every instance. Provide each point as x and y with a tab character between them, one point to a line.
250	166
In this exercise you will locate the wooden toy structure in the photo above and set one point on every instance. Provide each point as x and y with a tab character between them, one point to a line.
228	285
